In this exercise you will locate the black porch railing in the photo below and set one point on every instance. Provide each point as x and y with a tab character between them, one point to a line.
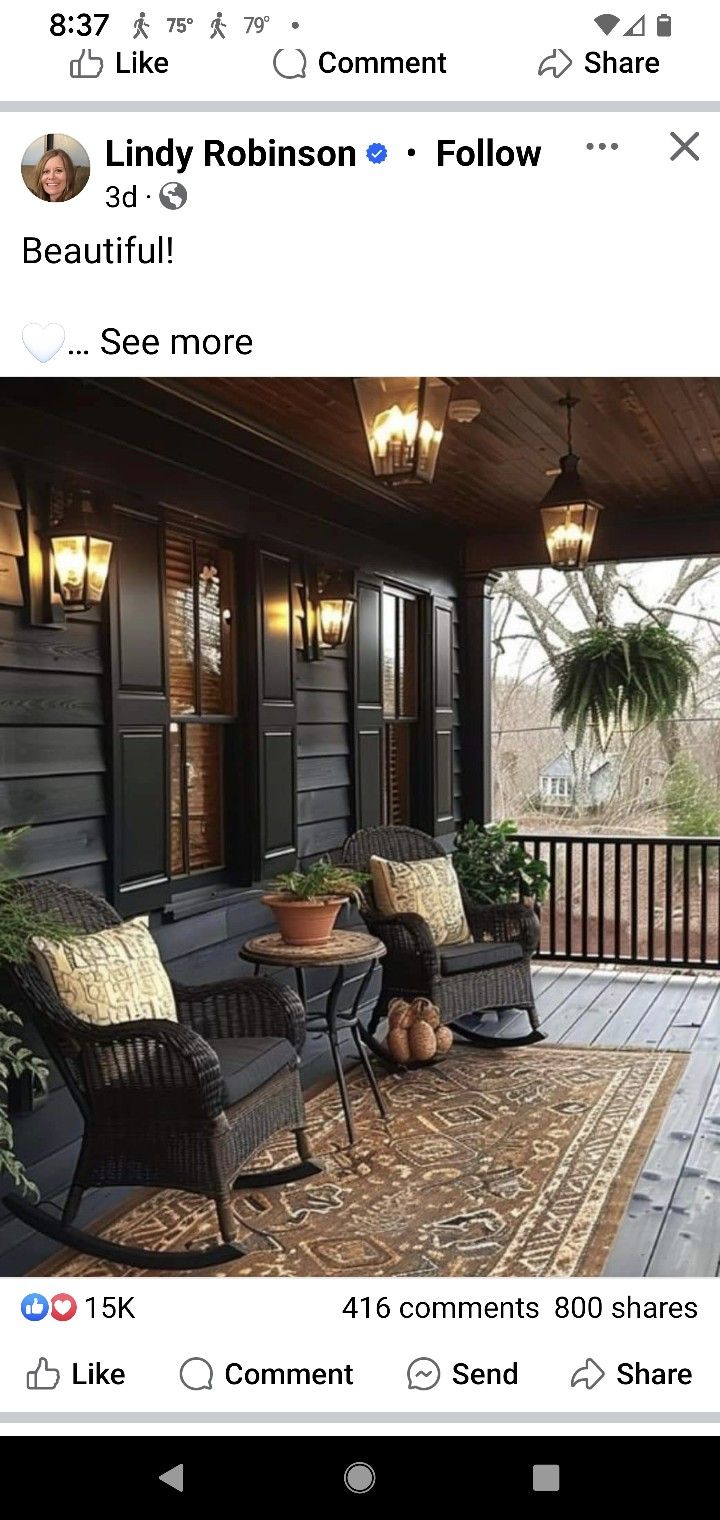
643	901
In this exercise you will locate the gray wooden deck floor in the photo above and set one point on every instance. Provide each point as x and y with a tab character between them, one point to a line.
672	1225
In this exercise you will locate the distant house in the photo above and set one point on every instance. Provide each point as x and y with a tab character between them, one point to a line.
557	781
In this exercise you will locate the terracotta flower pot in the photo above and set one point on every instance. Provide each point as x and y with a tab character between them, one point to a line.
305	923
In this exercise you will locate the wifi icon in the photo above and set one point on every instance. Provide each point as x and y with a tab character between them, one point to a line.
607	23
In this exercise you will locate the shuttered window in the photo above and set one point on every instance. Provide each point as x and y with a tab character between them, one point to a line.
400	702
199	601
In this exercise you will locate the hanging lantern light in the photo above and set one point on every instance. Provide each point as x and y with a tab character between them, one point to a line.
404	421
569	515
80	555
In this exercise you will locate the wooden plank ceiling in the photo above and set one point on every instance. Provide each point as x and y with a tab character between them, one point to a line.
646	446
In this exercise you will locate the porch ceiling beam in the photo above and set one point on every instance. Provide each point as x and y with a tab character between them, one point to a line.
620	536
250	436
113	440
291	463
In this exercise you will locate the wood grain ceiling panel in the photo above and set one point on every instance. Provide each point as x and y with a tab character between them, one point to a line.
647	446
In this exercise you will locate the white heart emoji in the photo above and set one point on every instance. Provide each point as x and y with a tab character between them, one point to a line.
43	342
62	1306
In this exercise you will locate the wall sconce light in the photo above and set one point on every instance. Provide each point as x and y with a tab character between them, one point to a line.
80	553
335	609
326	608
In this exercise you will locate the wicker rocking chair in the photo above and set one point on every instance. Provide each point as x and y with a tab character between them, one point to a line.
175	1105
491	973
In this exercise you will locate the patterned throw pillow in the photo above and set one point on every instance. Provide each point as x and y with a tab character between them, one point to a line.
427	887
110	977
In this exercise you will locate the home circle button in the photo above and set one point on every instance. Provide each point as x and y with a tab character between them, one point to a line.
359	1478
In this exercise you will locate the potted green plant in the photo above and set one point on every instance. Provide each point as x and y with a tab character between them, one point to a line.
613	678
18	1062
18	924
306	903
493	865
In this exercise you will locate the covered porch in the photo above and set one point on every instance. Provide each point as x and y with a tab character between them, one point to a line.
183	742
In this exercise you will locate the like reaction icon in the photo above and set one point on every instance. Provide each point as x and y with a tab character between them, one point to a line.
34	1306
43	1378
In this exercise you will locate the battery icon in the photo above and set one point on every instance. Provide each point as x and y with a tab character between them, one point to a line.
664	25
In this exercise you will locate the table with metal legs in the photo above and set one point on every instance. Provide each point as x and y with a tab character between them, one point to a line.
345	950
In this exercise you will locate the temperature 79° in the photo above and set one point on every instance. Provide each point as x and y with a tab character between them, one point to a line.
255	23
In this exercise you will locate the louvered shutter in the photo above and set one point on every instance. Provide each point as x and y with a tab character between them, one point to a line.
368	704
140	712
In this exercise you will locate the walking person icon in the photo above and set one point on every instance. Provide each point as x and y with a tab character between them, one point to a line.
140	26
218	27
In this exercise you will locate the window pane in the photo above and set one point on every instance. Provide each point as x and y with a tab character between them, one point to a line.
177	844
389	655
204	780
214	568
407	683
181	623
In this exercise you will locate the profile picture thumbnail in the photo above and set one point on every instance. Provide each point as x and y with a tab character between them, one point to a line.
55	167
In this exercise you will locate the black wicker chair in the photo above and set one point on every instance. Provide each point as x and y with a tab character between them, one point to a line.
176	1105
491	973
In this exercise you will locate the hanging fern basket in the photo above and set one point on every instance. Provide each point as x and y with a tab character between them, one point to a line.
621	679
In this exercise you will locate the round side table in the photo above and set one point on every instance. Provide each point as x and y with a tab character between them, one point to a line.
344	949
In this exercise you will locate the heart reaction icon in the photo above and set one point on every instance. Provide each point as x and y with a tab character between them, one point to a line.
43	342
63	1306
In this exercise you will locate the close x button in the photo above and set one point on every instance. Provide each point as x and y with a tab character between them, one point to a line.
685	147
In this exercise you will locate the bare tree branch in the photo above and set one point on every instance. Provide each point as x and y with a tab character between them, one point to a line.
580	597
602	582
671	608
595	587
541	619
691	571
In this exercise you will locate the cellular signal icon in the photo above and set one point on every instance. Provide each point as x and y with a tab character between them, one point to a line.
607	23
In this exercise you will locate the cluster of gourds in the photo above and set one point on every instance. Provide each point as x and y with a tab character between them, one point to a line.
416	1031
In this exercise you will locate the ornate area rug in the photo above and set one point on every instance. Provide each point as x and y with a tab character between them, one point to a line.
492	1163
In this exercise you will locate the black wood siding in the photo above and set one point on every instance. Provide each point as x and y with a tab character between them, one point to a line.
53	777
324	805
52	750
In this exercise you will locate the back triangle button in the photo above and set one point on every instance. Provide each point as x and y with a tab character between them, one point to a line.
173	1477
